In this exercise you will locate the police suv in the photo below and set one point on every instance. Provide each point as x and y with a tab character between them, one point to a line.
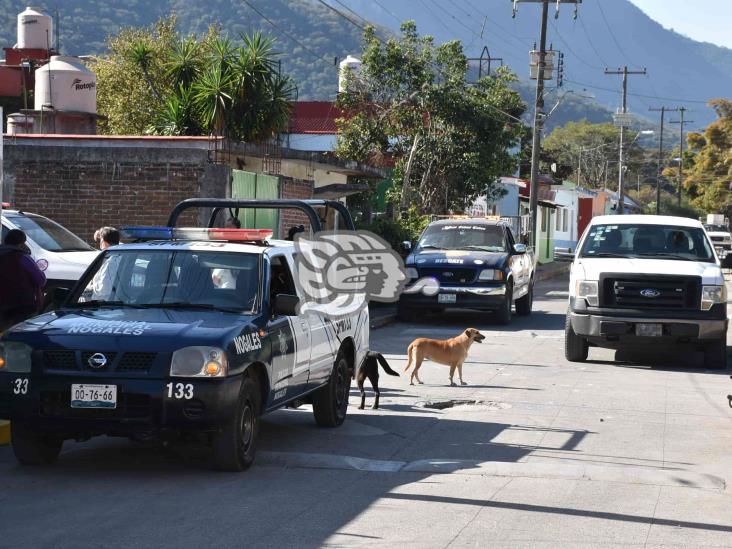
184	331
478	265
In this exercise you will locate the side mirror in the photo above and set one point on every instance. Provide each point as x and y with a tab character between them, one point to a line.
59	295
519	248
285	304
407	246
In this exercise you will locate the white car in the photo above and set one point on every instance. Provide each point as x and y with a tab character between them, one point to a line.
642	280
58	252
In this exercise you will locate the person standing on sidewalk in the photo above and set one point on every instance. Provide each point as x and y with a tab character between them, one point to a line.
102	284
21	281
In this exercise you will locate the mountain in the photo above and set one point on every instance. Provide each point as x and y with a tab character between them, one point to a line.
607	33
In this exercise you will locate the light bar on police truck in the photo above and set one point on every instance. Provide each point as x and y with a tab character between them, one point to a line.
147	233
227	235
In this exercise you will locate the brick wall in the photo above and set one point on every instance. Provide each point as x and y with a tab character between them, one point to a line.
84	187
294	189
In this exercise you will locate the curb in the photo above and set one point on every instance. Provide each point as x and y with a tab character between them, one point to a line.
548	274
382	321
4	432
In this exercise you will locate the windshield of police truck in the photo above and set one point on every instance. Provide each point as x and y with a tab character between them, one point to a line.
647	241
173	279
48	234
464	236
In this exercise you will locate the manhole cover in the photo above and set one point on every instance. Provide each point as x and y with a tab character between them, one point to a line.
454	403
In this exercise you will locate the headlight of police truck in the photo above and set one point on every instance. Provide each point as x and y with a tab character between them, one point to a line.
15	357
587	290
712	295
198	362
490	274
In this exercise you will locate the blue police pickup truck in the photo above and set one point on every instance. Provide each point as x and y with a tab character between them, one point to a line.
183	332
478	265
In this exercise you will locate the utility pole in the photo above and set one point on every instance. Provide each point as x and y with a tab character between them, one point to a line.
539	115
663	110
681	122
623	121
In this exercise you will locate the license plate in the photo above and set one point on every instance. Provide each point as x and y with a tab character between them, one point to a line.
649	330
93	396
446	298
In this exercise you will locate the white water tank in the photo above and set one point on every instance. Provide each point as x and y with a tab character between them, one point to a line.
19	123
349	64
65	84
35	29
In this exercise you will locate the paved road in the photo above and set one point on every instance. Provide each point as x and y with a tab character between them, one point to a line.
547	453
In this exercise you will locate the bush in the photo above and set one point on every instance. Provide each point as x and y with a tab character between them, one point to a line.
397	231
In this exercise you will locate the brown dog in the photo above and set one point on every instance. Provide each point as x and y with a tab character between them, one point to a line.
451	352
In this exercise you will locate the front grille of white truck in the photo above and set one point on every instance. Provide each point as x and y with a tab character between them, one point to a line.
651	292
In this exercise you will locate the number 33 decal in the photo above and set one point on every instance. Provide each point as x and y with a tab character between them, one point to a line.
20	386
180	390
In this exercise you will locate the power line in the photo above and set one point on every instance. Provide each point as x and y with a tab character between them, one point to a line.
388	11
580	59
675	99
351	21
589	40
287	34
612	34
350	10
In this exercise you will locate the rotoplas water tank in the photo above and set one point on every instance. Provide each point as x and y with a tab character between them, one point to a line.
352	64
35	29
64	83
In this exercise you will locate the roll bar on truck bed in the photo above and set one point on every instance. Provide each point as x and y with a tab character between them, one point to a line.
308	207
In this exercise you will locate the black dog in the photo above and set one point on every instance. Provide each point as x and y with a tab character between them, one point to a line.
370	371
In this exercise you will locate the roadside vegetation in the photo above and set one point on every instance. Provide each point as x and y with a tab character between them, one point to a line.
156	81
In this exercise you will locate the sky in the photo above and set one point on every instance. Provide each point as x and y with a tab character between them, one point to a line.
702	20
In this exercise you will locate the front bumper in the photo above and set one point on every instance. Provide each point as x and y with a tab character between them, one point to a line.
466	297
143	405
614	328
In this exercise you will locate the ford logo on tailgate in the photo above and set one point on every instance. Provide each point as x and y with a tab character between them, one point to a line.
650	292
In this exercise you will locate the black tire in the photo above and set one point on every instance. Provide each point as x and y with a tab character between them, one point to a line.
524	304
32	448
330	403
715	355
235	445
576	347
503	315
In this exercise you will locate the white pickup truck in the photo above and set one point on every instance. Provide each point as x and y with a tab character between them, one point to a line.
640	281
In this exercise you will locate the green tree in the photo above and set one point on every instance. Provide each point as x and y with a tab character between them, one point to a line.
189	85
588	154
708	163
411	103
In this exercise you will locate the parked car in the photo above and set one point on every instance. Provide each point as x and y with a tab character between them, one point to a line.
165	351
642	281
58	252
478	264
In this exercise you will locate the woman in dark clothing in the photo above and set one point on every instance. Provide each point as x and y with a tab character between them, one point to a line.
21	281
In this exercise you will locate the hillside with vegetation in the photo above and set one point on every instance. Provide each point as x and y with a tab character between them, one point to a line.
311	36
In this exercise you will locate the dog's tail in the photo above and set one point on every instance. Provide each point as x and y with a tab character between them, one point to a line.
409	357
385	365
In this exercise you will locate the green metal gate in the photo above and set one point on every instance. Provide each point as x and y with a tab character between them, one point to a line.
255	185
